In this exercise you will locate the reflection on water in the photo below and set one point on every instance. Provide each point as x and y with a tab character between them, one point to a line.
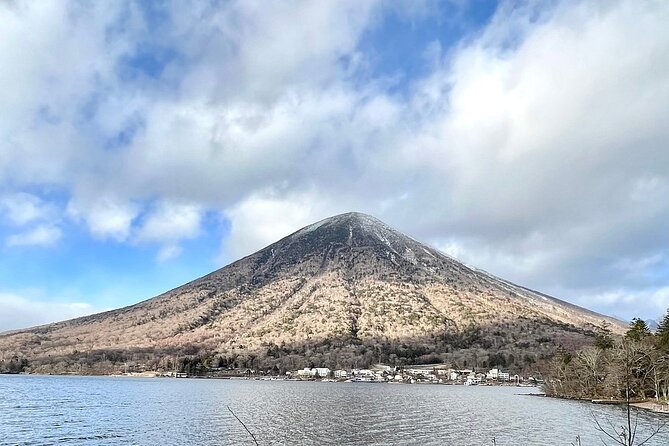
144	411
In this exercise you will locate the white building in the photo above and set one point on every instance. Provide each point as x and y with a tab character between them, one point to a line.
497	375
473	379
340	374
460	375
419	372
321	372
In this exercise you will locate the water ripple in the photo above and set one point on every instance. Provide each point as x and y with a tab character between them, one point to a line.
91	411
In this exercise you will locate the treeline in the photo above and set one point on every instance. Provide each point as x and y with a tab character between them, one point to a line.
517	346
638	363
109	361
470	348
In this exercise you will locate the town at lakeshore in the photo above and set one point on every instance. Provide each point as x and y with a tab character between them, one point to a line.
380	373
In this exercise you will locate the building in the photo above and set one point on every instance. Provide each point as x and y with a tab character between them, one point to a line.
473	379
304	373
418	372
497	375
318	372
321	372
459	375
339	374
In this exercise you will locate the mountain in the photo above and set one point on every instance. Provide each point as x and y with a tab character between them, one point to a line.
345	291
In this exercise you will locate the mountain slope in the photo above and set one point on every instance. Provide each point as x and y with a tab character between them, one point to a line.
346	290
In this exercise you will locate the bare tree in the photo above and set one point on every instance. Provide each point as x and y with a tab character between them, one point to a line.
592	359
625	435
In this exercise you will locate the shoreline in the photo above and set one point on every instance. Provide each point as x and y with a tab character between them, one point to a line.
653	406
154	375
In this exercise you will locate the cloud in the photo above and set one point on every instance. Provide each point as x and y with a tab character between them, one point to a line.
264	219
49	91
529	156
532	147
37	218
22	208
105	217
654	303
169	252
543	144
170	221
20	312
167	224
261	53
41	235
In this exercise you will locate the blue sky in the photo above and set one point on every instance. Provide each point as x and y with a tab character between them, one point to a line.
145	144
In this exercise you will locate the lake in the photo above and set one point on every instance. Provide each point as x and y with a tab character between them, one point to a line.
43	410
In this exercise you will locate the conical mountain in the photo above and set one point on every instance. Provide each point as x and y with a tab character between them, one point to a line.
348	290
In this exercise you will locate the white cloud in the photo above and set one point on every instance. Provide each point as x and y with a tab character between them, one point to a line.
261	53
48	87
533	149
20	312
522	147
38	220
541	142
167	224
105	217
265	218
22	208
168	252
647	304
41	235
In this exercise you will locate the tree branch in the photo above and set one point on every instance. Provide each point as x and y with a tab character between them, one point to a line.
242	423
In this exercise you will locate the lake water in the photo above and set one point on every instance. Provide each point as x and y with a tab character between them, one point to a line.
162	411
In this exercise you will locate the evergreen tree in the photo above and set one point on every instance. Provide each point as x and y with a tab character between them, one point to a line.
662	332
604	340
638	330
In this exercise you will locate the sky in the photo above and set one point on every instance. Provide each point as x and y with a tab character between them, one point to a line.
144	144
